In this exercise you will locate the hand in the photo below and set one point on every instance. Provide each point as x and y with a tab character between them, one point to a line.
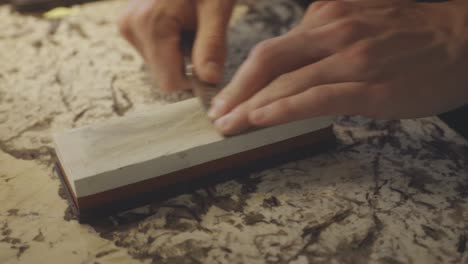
381	59
154	28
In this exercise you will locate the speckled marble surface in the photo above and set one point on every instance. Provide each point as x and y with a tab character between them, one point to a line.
391	191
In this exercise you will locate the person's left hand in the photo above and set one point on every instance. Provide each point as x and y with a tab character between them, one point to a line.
382	59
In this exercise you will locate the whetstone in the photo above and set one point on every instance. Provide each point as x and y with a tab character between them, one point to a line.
111	163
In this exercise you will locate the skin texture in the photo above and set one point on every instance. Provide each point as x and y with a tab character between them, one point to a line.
382	59
155	27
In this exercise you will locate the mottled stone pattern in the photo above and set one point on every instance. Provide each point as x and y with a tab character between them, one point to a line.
390	192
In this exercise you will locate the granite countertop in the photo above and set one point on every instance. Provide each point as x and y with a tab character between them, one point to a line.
390	192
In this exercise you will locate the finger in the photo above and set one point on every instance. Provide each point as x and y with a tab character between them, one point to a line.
166	63
261	67
329	99
321	13
234	122
156	31
329	70
209	51
128	25
161	48
295	50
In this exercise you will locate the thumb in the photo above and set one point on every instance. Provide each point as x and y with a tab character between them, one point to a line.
209	52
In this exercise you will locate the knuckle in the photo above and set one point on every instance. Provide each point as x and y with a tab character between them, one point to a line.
124	25
263	50
140	17
349	29
360	55
321	48
283	81
154	22
286	107
334	9
162	26
215	42
314	7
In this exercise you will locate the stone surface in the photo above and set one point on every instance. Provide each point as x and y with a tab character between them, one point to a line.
391	192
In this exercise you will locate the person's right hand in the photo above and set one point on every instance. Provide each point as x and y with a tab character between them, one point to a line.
154	28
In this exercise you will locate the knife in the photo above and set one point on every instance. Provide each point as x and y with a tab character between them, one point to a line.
204	91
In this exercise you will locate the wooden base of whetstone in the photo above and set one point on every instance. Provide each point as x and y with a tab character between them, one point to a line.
131	161
187	180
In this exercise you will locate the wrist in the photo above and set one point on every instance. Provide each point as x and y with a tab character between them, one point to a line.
458	12
451	18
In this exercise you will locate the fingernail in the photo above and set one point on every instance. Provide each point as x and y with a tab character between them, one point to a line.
224	122
216	109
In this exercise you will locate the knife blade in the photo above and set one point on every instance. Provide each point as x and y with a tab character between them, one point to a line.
204	91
